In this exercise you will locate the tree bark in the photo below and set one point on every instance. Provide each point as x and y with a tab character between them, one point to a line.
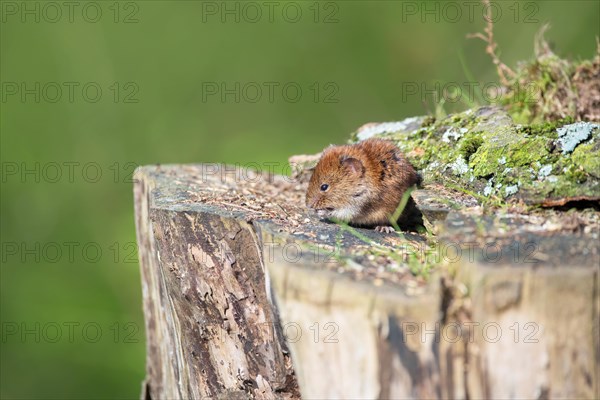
208	316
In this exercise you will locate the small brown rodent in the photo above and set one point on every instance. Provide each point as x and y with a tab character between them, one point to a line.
361	184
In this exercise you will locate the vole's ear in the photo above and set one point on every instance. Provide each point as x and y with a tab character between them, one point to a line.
353	165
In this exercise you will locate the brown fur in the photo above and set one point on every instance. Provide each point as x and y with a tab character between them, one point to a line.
366	182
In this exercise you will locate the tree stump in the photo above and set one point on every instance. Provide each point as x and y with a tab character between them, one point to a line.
208	316
247	296
530	321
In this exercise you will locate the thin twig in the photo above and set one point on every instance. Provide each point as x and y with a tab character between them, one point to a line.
488	37
283	209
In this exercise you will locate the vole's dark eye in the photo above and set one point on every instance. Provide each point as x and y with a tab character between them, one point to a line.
324	187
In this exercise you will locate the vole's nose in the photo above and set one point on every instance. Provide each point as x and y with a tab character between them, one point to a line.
322	213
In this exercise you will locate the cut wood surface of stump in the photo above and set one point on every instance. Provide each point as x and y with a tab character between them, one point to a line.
248	296
209	237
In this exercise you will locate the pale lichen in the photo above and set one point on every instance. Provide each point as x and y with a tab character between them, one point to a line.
459	166
569	136
485	152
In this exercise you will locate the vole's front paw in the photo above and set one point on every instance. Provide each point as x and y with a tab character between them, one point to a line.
384	229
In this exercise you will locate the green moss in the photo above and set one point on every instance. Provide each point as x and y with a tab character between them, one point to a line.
499	152
547	129
487	159
576	174
527	151
504	160
585	157
462	120
542	89
470	144
562	186
422	133
428	121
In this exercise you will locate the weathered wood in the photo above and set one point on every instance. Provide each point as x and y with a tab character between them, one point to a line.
208	318
353	339
246	296
212	329
530	320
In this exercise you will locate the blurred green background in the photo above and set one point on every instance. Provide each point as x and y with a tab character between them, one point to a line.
72	322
